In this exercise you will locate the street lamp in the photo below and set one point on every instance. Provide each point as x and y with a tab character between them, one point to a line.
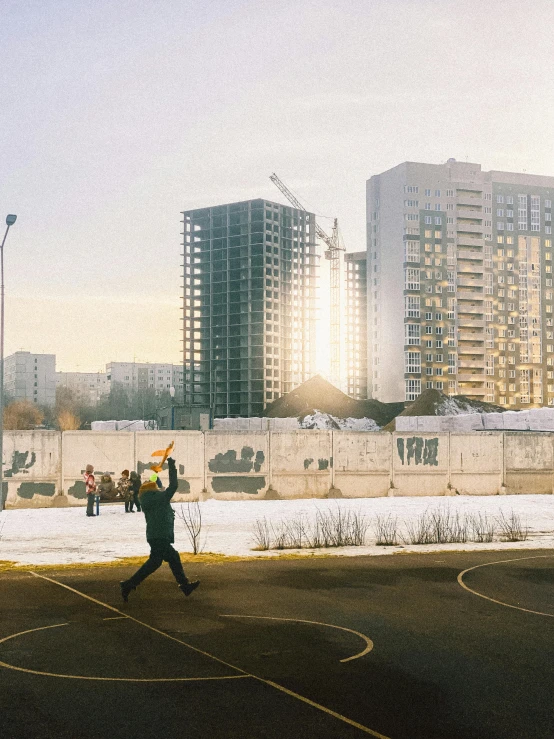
172	393
10	220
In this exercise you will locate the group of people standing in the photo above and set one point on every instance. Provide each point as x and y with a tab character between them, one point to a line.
127	489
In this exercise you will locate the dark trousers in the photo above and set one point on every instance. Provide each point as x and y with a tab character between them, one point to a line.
160	551
90	504
128	506
135	501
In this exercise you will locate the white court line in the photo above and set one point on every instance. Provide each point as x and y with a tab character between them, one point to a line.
281	688
499	602
369	643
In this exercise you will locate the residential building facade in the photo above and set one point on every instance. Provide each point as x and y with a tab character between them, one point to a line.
460	290
87	386
249	304
31	377
355	270
146	376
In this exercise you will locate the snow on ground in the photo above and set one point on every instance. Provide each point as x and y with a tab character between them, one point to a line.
67	536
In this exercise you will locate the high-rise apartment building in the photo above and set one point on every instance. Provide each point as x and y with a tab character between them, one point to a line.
249	304
146	376
460	293
355	270
31	377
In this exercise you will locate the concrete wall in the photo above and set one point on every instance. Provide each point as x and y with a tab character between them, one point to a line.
44	468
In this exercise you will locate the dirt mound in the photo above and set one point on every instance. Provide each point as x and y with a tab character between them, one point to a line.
435	403
316	394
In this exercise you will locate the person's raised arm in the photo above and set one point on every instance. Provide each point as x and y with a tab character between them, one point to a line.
173	482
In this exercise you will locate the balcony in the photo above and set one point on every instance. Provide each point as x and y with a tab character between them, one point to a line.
471	213
470	271
465	322
471	255
470	377
467	239
471	364
473	351
465	227
464	280
469	294
469	197
473	392
470	310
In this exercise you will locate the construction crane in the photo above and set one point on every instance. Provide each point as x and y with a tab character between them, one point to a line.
332	254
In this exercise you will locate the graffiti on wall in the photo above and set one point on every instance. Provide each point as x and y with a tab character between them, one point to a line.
20	463
417	450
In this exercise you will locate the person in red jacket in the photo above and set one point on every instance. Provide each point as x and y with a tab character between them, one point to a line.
90	487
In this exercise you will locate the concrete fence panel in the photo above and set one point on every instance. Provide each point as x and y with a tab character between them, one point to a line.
301	463
528	459
188	454
476	463
109	452
420	463
32	468
236	464
362	463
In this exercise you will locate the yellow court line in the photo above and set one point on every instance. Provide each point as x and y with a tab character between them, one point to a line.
499	602
108	679
367	640
299	697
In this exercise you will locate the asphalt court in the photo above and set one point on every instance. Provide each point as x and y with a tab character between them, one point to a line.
439	646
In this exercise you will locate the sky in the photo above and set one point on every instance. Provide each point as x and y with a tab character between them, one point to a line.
117	116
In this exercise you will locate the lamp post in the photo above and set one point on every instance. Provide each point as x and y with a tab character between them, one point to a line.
10	220
172	393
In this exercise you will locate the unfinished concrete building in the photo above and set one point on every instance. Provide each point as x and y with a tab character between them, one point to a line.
355	264
249	304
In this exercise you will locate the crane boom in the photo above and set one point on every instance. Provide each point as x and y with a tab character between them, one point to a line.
333	255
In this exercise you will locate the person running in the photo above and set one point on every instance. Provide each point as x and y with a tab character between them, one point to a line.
125	492
136	482
160	519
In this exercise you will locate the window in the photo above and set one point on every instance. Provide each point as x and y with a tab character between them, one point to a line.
411	306
437	193
412	362
412	278
412	334
413	389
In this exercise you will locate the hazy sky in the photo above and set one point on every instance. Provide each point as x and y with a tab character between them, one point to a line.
116	115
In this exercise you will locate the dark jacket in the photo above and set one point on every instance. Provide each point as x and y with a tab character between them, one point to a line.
136	482
156	506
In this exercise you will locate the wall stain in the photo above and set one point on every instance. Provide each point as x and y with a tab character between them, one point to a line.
249	485
142	466
228	461
183	486
78	490
28	489
260	459
20	464
322	464
307	462
421	451
181	469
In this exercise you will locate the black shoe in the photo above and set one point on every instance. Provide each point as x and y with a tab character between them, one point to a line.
91	514
188	587
126	589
